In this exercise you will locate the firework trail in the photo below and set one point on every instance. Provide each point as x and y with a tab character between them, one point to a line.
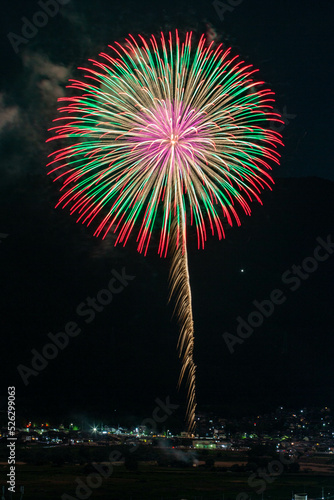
160	128
180	290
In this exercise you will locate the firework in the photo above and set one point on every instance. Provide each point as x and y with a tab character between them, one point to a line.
161	127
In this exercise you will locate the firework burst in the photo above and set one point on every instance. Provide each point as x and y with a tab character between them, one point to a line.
161	126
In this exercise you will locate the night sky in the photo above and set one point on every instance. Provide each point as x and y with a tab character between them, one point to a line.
126	356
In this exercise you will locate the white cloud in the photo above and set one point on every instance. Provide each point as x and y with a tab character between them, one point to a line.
9	115
50	77
41	84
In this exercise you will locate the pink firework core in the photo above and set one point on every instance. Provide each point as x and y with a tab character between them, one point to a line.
172	135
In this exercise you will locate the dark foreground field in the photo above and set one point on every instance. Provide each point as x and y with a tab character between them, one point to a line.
157	483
